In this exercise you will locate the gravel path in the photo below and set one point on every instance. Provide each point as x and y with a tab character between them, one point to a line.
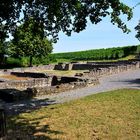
129	79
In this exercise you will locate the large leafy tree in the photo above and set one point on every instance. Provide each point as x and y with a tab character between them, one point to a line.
63	15
3	44
30	41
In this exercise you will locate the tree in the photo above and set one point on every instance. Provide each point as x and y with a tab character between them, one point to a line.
29	41
3	44
63	15
137	28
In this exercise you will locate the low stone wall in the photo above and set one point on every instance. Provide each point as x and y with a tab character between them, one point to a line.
30	74
38	91
28	69
24	84
109	70
37	86
4	72
63	66
93	65
11	95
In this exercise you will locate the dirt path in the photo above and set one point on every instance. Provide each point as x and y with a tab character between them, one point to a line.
130	79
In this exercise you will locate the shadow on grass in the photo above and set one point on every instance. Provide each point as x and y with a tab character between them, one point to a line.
23	129
26	130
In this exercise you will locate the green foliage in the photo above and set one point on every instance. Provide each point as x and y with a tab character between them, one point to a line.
11	63
137	28
29	41
63	15
43	60
99	54
3	44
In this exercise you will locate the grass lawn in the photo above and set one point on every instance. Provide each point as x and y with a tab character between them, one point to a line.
63	72
111	115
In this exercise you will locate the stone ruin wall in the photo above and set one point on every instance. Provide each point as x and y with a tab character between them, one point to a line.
37	86
38	91
16	91
28	69
47	85
93	65
98	72
95	70
24	84
72	66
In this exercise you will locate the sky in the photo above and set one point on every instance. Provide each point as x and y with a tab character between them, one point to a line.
102	35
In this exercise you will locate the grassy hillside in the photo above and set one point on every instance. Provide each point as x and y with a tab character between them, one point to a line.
98	54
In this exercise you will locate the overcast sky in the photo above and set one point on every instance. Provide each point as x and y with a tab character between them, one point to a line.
103	35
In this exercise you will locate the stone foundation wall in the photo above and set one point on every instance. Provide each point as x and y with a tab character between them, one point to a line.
63	66
52	84
93	65
39	91
98	72
30	74
28	69
24	84
72	66
11	95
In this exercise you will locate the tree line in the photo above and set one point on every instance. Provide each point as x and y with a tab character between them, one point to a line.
99	54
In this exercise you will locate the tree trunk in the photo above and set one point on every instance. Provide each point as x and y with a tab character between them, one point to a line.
1	58
31	59
2	123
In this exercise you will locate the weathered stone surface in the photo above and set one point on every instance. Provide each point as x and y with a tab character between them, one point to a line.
93	65
30	74
24	84
39	91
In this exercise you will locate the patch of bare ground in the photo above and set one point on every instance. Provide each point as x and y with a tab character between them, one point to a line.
13	77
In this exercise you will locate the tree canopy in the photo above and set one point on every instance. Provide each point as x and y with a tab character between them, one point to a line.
63	15
3	45
30	41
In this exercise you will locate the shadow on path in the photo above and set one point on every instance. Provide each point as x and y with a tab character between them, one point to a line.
134	83
26	106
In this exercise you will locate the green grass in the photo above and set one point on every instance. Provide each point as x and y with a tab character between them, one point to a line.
112	115
128	57
63	72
